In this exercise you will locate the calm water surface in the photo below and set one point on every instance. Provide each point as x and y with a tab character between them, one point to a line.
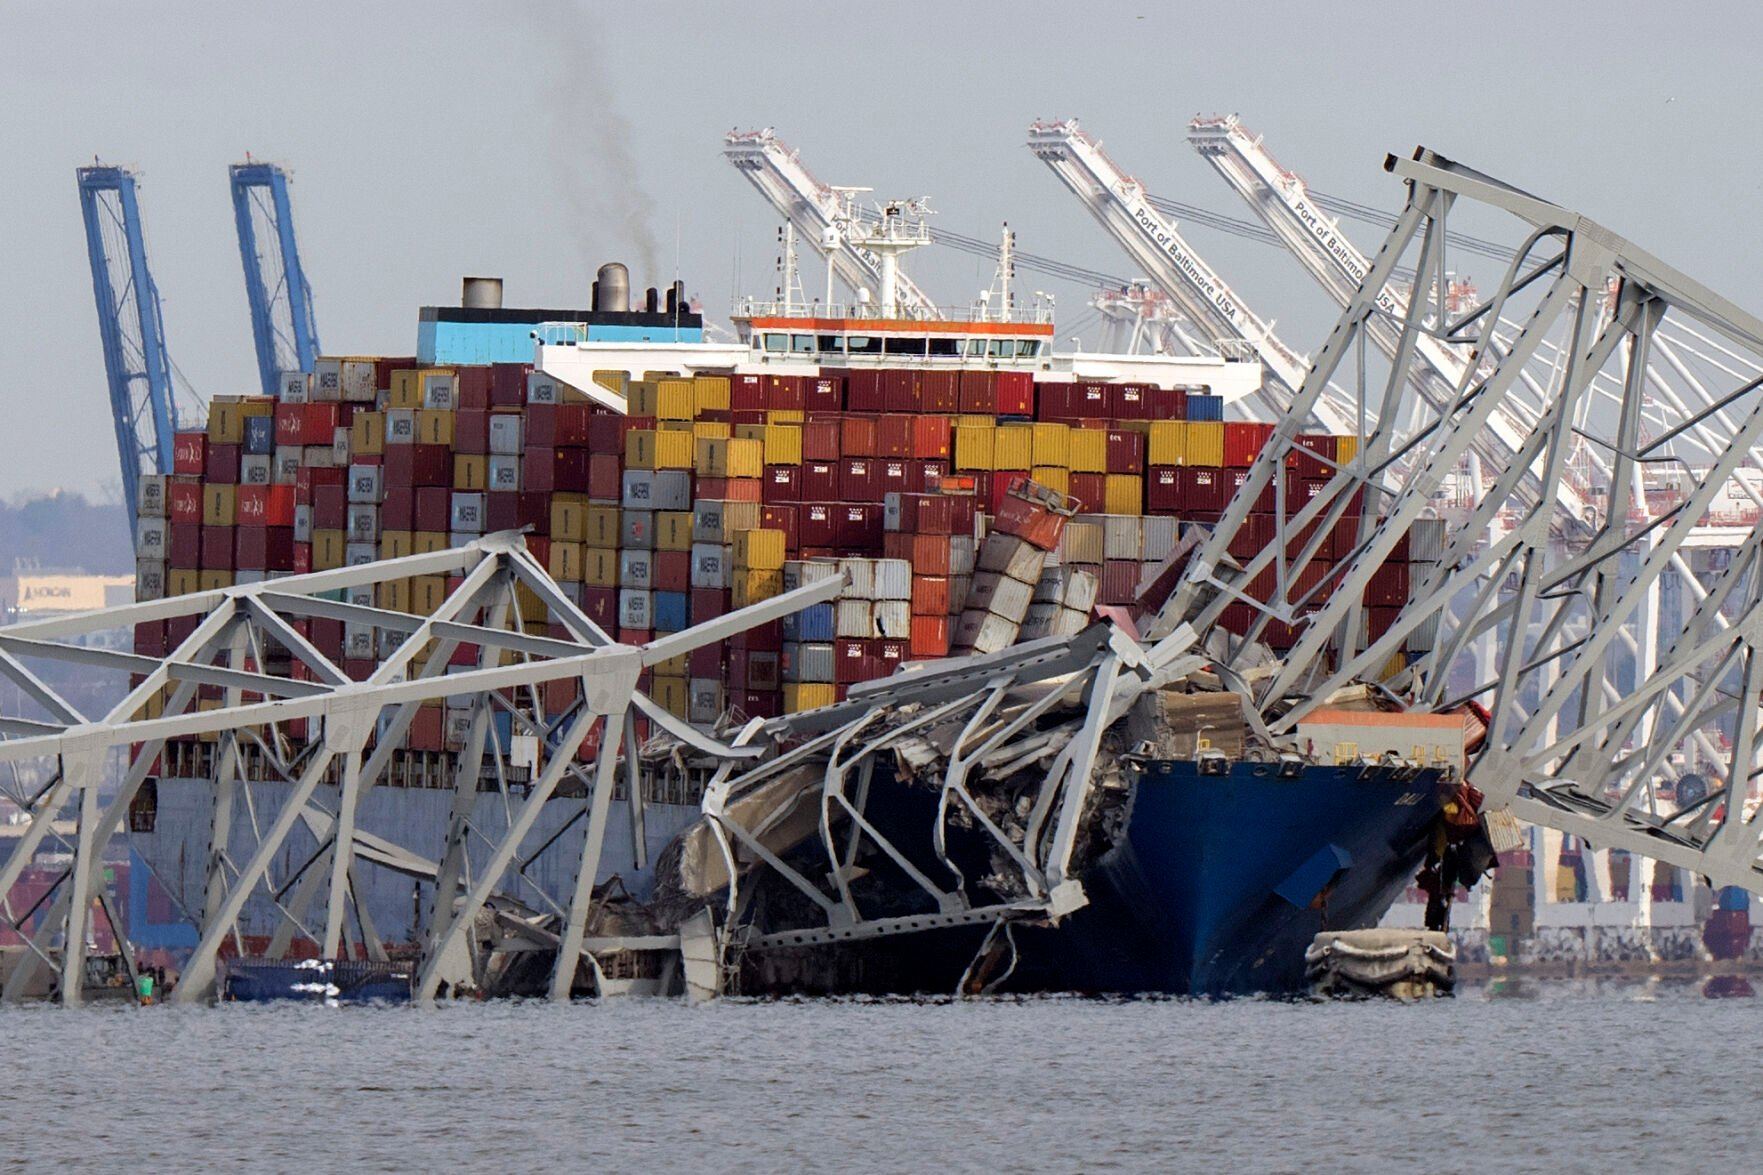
1550	1076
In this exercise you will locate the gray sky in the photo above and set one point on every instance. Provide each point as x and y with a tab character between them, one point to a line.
533	140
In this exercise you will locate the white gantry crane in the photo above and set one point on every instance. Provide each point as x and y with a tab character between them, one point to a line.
826	217
1123	207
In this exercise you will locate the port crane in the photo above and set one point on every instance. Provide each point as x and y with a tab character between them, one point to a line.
283	326
826	217
1122	206
137	368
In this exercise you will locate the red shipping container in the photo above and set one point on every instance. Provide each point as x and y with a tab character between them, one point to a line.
854	661
760	703
925	476
936	514
217	548
857	480
672	571
606	433
939	391
302	559
781	516
890	655
857	436
434	508
816	526
398	508
820	440
900	389
1090	399
189	452
1204	488
1091	488
507	384
471	432
1242	442
540	429
784	392
264	548
892	476
930	637
978	393
419	465
1301	491
768	637
1166	403
1126	451
930	595
260	505
1388	587
290	424
605	478
184	546
1252	537
1053	401
708	604
1265	501
1030	521
574	424
150	639
746	392
330	507
1120	581
183	499
893	435
783	483
1127	402
222	467
859	526
931	438
929	554
1312	455
824	393
318	423
472	385
1016	393
863	390
601	606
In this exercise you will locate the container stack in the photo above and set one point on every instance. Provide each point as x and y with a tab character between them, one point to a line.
719	491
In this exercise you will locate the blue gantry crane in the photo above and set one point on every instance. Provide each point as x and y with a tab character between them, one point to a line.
135	361
282	322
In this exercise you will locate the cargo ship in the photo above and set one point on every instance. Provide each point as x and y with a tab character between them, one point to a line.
665	478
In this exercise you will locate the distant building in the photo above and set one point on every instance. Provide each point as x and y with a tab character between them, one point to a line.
30	591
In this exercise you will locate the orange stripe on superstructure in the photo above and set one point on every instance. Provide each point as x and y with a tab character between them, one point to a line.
872	326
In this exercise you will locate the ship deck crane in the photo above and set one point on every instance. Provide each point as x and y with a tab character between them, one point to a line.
824	216
1122	206
137	367
283	326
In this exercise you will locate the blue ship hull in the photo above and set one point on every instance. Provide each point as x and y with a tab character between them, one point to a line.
1221	881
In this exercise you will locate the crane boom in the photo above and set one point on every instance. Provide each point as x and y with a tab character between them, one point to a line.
136	365
282	323
1283	203
822	215
1123	207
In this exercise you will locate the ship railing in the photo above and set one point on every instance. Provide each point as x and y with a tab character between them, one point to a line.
771	308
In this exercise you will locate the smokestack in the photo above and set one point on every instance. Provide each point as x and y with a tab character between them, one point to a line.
612	290
481	293
676	297
652	301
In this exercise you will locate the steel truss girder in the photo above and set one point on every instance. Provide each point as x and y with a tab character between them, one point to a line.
1571	743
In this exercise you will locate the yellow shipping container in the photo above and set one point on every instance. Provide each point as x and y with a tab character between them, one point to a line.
471	472
406	390
434	426
785	416
750	432
671	694
675	426
751	586
367	433
710	394
673	449
614	381
674	399
1345	449
975	446
1167	442
427	542
394	594
1123	493
1206	443
600	566
395	544
808	695
703	429
1088	450
327	549
680	666
673	530
427	593
565	563
226	420
643	398
601	527
639	448
569	518
759	550
218	505
532	609
1054	477
1014	447
1051	445
783	445
180	581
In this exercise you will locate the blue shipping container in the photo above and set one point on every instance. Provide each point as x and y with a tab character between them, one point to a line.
259	435
670	611
1202	406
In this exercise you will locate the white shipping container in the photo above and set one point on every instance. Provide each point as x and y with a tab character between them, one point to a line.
361	595
893	619
1050	588
503	473
1157	536
364	524
247	575
891	511
704	700
357	377
710	565
958	588
340	451
302	523
802	572
1424	636
1122	537
1038	622
1426	540
542	388
981	632
1008	555
327	381
149	579
364	483
400	426
636	608
636	569
440	391
636	530
321	457
638	490
286	467
462	538
293	387
150	496
1068	622
505	434
254	469
893	579
355	554
1081	541
469	512
151	538
1005	597
1080	590
962	552
859	579
357	640
854	619
813	662
671	489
